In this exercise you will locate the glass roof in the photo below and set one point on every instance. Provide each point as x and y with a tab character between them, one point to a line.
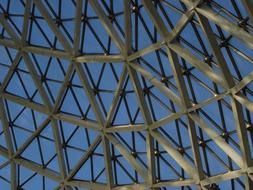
126	94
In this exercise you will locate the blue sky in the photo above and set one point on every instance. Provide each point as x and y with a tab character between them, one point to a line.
105	76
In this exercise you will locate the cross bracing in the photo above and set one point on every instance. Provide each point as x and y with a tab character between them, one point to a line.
126	94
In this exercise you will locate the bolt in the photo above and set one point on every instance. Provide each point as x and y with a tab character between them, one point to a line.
135	9
164	79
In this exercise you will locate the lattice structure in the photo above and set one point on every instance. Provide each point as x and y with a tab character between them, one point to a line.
126	94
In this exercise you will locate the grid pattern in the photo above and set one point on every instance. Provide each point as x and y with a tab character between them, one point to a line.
126	94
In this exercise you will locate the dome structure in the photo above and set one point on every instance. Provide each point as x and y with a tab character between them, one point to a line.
126	94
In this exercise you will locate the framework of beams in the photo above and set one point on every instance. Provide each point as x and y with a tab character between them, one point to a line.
181	107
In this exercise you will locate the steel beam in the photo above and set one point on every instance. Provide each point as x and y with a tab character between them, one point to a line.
235	30
128	156
107	24
249	7
9	143
178	75
232	86
53	25
168	147
218	140
236	107
159	85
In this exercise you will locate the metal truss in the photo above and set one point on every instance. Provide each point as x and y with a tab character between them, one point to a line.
126	94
